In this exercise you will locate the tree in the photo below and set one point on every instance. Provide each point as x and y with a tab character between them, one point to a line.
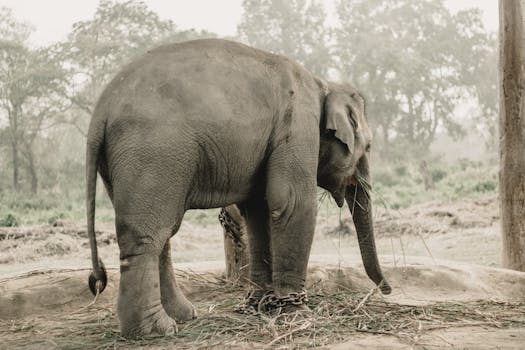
28	82
43	91
512	132
411	59
486	93
294	28
12	35
97	48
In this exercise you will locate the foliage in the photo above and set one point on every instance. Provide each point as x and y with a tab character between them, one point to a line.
456	181
485	90
12	29
43	90
98	47
8	221
389	188
294	28
438	174
29	100
489	185
49	205
414	61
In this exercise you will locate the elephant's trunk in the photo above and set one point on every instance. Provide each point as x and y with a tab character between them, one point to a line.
360	204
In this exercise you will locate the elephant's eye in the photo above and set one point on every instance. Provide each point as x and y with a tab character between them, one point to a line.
367	148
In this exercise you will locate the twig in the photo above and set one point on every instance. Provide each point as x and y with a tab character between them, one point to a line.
302	327
403	250
425	244
393	252
91	303
365	299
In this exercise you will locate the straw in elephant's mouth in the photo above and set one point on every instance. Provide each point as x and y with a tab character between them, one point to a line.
339	194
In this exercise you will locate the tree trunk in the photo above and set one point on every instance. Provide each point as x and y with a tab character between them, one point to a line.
32	170
427	176
512	132
13	114
16	164
235	243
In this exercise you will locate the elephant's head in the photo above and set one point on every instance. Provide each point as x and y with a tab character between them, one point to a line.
343	168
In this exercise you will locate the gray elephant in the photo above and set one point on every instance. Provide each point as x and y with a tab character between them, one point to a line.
206	124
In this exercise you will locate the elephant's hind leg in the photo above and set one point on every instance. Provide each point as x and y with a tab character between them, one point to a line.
173	299
141	239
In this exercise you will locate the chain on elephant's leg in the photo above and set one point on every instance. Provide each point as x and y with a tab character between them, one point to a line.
235	245
292	224
173	299
260	272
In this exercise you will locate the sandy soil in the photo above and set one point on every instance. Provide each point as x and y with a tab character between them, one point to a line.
43	289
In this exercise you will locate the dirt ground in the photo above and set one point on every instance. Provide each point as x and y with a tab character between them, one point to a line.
442	261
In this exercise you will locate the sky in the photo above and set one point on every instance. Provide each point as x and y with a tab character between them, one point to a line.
52	19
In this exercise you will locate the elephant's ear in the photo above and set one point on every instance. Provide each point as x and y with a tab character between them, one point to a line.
339	119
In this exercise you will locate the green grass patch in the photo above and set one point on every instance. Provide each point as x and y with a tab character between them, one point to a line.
394	186
8	221
48	207
451	182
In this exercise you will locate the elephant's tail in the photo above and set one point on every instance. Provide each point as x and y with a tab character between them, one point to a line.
95	140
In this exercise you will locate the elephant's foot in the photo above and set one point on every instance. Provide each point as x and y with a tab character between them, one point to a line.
155	322
140	308
180	308
173	299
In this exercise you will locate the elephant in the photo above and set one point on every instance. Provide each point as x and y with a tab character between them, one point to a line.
206	124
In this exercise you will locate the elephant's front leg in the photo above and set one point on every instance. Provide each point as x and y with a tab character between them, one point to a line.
292	205
173	299
255	214
140	309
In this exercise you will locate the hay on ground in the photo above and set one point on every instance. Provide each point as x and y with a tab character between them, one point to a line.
335	316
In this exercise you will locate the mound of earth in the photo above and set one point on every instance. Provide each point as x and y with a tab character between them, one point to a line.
59	239
434	305
429	218
437	217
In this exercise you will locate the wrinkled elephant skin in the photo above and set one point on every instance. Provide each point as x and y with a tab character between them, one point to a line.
206	124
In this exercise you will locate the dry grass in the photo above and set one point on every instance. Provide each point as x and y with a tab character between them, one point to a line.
335	316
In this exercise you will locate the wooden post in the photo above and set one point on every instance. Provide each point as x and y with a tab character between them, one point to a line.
512	132
235	243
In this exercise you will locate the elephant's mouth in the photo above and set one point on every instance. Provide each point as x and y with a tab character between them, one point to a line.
340	192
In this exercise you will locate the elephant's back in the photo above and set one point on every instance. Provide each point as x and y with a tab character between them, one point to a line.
213	98
204	80
214	107
211	48
205	89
